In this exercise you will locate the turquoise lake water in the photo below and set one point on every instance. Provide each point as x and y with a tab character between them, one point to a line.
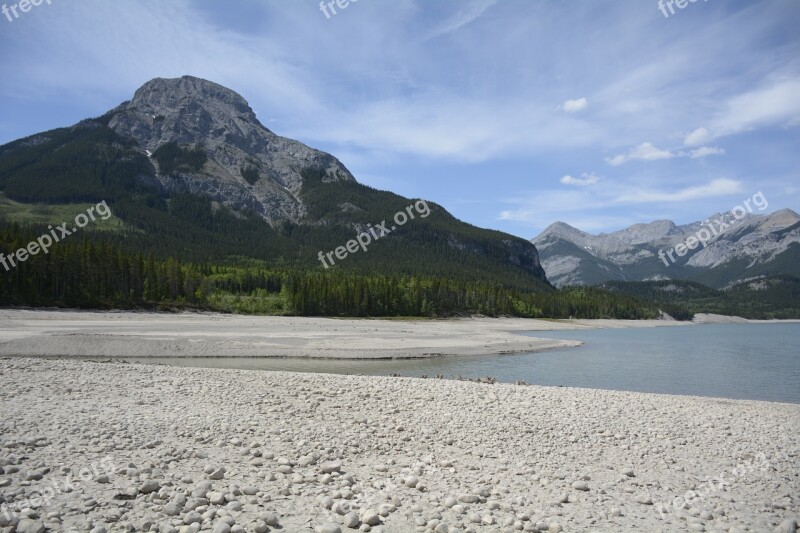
742	361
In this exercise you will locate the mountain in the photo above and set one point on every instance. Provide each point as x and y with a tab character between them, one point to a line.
750	246
247	164
189	172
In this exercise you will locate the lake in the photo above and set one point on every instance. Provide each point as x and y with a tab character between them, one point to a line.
742	361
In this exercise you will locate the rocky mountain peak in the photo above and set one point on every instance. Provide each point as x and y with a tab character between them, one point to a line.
248	166
562	229
190	111
783	218
646	232
162	94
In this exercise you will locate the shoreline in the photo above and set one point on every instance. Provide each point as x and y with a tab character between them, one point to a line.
318	453
40	333
123	334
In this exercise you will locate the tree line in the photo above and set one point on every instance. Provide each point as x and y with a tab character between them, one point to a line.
87	272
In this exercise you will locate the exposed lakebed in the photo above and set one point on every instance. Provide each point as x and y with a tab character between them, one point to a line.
742	361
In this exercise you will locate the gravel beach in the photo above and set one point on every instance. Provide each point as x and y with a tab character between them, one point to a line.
87	446
126	334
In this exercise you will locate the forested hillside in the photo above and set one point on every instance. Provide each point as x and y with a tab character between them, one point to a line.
211	210
90	272
767	297
90	163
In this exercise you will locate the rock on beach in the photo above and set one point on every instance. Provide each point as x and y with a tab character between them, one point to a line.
230	451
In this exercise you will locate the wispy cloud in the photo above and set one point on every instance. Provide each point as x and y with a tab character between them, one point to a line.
643	152
573	106
444	125
591	209
469	12
587	178
191	46
648	152
775	104
717	187
697	137
705	151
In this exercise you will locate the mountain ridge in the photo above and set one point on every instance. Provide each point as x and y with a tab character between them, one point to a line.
638	253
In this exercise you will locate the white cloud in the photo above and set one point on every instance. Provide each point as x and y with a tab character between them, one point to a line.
643	152
545	207
717	187
445	125
648	152
616	161
585	179
572	106
589	204
697	137
704	151
766	106
772	105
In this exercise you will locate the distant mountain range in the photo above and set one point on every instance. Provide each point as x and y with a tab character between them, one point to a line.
752	246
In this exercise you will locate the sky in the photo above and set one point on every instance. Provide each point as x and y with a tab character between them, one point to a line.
512	114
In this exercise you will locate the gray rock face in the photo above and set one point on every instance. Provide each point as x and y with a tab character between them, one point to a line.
572	257
193	112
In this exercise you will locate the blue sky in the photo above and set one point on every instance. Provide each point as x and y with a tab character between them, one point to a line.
512	114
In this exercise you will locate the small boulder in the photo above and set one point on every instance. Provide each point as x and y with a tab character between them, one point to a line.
151	485
328	527
331	467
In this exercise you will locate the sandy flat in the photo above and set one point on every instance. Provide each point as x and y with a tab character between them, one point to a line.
135	447
124	334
